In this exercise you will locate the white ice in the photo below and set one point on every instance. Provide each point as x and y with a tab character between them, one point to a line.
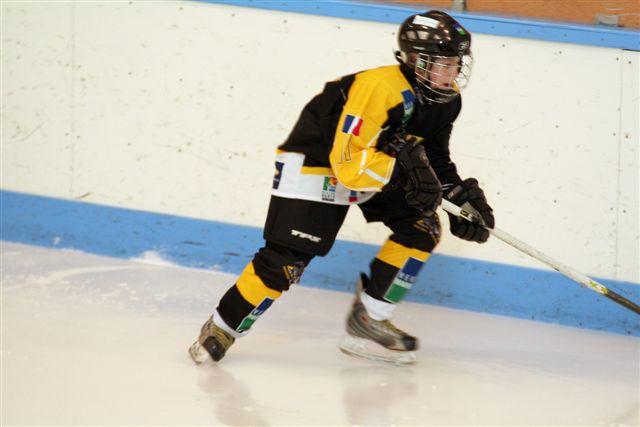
92	340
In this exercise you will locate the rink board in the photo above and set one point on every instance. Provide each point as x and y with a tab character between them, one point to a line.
476	23
163	124
446	280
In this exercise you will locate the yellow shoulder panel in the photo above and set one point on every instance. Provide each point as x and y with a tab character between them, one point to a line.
354	159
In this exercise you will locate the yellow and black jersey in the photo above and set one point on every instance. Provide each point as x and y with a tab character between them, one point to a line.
337	136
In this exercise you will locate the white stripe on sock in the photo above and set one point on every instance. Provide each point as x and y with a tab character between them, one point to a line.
376	309
220	323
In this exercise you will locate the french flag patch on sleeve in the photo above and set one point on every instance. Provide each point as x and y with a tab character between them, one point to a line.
352	125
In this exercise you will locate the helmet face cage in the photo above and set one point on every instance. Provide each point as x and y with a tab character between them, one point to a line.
442	77
437	49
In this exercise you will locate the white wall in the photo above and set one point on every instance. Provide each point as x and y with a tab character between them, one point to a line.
177	107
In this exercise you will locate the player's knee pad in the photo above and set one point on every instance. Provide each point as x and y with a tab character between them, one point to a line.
272	271
422	234
280	267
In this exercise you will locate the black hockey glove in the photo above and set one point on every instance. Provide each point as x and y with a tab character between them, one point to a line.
422	189
470	197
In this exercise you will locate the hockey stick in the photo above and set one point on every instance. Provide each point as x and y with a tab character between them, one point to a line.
529	250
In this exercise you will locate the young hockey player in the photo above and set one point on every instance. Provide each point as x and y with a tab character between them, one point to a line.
378	139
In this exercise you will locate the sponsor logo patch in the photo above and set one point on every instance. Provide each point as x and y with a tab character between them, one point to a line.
255	313
426	21
293	272
277	175
352	125
307	236
408	103
403	281
429	225
329	189
353	196
460	30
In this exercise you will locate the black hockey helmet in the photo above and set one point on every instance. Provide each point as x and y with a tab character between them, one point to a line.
436	46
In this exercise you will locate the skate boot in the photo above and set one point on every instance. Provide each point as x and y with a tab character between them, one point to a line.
213	342
376	339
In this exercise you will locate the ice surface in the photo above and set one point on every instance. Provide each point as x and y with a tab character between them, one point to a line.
94	340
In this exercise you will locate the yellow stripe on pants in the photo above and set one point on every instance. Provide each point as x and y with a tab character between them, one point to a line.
252	288
396	254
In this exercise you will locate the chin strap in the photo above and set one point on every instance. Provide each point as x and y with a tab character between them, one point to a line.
398	55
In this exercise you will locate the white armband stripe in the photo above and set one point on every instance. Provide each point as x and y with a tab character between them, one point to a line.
363	161
377	177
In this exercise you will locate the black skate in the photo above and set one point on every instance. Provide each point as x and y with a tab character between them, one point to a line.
213	343
376	339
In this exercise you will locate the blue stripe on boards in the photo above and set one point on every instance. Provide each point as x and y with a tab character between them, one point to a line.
445	280
485	24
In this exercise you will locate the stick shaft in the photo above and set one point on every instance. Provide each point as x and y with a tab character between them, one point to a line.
556	265
622	301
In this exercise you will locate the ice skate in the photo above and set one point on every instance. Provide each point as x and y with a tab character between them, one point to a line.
376	339
213	343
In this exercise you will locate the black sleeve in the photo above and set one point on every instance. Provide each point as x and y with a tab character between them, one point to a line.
390	127
437	150
434	123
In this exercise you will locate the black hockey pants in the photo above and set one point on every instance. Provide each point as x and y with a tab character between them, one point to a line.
298	230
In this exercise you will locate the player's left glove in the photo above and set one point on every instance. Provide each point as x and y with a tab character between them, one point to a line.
413	172
470	197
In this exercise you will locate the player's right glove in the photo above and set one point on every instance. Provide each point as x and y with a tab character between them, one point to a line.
469	196
423	190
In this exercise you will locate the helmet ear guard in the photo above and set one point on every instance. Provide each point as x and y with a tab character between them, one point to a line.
405	58
428	41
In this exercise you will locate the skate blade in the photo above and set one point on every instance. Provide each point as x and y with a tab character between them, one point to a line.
198	353
366	349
